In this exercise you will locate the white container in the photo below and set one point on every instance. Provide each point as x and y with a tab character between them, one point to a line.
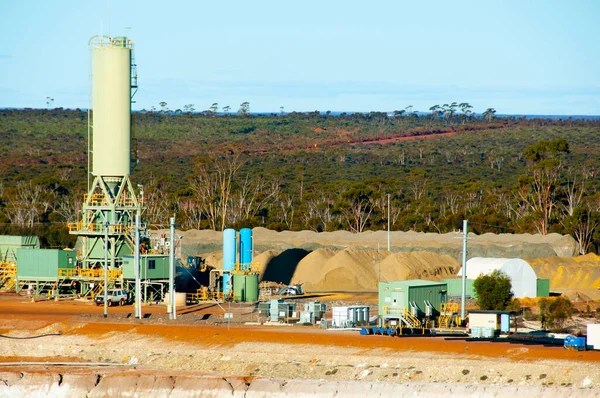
339	316
593	336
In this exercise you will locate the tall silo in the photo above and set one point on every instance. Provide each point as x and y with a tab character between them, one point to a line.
111	108
111	204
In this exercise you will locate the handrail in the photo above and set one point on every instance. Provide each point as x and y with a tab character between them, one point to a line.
89	273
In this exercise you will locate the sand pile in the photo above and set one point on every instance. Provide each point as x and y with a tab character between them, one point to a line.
309	268
418	265
345	270
355	270
263	259
214	259
581	272
485	245
348	270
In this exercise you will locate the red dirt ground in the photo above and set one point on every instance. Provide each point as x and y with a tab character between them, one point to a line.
14	309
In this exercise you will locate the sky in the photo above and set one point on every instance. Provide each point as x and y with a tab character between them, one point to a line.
519	57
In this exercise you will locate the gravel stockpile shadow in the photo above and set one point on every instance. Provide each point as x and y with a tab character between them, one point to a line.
281	268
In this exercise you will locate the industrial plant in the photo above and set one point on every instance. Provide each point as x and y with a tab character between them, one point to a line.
119	260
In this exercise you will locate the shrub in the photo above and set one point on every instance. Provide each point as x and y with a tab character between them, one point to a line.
493	291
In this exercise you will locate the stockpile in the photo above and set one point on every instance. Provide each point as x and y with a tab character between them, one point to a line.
581	272
350	269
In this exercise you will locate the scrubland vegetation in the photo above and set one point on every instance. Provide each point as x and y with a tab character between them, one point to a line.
316	171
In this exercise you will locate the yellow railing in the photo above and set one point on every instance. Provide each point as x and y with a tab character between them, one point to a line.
411	319
99	199
448	313
203	295
88	273
252	267
100	228
392	310
8	273
8	268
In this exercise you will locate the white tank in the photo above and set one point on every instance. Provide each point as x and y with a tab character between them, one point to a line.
111	107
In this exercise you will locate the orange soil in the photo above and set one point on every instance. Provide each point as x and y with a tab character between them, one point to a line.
16	309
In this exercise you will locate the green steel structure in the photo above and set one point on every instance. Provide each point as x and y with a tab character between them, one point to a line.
417	296
10	244
111	204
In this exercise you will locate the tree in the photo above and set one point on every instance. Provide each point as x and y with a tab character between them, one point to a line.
49	102
465	107
583	224
226	109
489	114
189	108
554	313
493	291
214	107
244	108
539	190
213	184
163	107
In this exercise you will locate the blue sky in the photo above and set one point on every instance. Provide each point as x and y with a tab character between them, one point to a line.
534	57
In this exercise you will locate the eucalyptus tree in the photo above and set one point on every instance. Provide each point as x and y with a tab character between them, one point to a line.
489	114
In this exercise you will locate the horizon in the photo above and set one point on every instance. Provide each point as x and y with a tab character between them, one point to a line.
332	113
534	58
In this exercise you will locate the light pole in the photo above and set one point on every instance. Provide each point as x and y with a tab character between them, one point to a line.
106	269
388	217
171	308
136	265
464	270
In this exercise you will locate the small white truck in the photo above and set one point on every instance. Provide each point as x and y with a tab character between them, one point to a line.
115	296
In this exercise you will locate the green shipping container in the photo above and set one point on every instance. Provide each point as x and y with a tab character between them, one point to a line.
543	288
43	264
154	267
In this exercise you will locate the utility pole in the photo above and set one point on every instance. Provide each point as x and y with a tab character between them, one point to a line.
136	265
106	269
388	217
171	308
464	270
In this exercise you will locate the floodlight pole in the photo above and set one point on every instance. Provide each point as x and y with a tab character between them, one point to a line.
171	308
464	269
136	265
388	217
106	269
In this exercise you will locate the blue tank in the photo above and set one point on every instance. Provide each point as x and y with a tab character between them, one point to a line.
229	257
245	246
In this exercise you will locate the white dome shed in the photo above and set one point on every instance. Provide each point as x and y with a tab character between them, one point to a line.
522	276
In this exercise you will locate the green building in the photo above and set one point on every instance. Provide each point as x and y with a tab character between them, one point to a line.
44	264
152	266
10	244
543	287
455	287
426	296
